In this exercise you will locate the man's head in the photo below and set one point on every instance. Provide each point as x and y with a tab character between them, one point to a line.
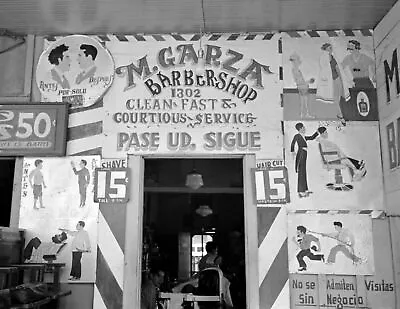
301	230
82	163
39	163
300	127
80	225
86	56
323	132
211	247
295	59
60	58
157	275
337	225
353	46
59	238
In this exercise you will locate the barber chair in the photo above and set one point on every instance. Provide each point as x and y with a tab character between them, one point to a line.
210	284
331	161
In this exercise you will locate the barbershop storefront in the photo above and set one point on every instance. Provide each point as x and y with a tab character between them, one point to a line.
177	140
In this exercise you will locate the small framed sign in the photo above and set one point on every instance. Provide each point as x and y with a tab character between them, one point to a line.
271	184
111	185
33	129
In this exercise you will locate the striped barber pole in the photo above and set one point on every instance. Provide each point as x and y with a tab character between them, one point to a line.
180	37
375	214
273	257
330	33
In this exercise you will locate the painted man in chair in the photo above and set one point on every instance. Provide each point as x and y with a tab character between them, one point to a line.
356	167
36	250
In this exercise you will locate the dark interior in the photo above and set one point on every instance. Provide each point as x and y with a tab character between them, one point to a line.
7	167
170	208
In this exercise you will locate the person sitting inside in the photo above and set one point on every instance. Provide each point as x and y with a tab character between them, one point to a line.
211	259
35	250
151	287
356	168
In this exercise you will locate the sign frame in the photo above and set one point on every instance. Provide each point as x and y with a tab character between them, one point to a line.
267	169
60	133
107	199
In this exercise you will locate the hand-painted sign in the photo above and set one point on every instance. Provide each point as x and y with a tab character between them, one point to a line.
111	185
330	244
332	166
76	69
172	96
393	143
59	215
271	182
33	129
329	78
337	291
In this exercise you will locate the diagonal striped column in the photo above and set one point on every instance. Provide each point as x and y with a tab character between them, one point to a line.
110	257
273	258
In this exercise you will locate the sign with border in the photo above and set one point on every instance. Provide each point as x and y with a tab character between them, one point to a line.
271	184
111	185
33	129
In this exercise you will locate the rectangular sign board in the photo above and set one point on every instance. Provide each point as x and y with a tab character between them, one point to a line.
33	129
271	182
111	185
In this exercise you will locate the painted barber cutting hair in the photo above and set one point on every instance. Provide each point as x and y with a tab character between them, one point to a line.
301	158
80	244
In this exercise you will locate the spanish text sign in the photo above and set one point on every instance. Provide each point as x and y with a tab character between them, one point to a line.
32	129
215	96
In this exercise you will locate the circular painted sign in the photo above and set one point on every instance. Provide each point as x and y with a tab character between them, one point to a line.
76	69
363	105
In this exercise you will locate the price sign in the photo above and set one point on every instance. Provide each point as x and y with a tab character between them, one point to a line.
33	129
271	185
111	185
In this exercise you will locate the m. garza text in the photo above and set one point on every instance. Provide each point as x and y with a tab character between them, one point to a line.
183	54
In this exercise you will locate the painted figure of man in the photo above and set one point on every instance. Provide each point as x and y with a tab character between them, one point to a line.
345	244
62	64
303	86
361	67
331	85
303	241
36	180
301	158
80	244
86	60
83	180
356	167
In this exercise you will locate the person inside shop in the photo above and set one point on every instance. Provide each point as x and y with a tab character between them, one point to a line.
151	288
211	259
234	268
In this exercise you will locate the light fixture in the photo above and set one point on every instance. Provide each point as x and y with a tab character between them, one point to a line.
194	180
204	210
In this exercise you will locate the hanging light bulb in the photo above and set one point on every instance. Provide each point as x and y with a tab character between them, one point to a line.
204	210
194	180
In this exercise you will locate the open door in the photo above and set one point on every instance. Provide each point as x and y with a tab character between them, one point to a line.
134	233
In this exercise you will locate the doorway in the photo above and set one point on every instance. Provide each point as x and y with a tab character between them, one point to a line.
178	221
7	167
